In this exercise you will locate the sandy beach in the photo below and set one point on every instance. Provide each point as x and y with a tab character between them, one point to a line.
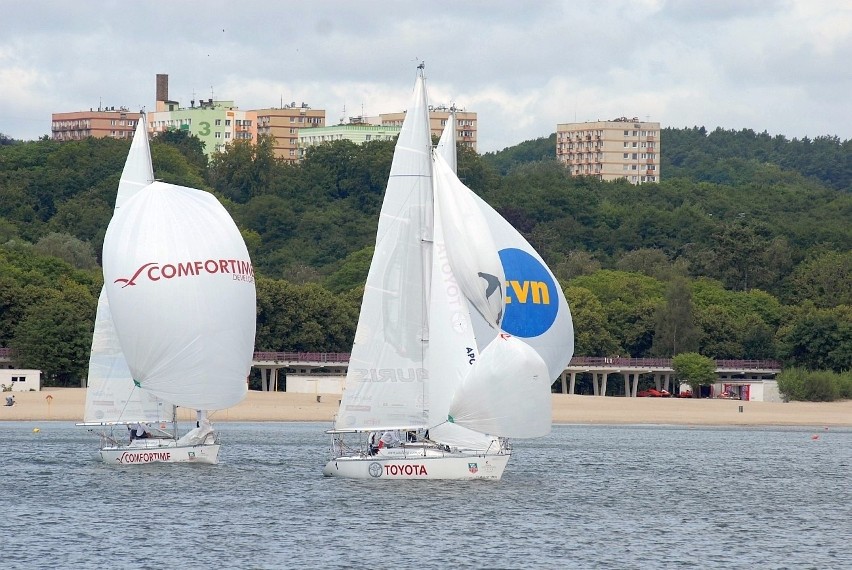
66	404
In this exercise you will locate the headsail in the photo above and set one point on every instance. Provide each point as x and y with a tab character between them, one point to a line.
181	289
447	143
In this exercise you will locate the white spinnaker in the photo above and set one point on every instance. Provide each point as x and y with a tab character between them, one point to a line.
507	393
385	383
181	289
556	344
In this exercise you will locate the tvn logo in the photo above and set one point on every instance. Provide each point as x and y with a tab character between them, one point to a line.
535	292
532	298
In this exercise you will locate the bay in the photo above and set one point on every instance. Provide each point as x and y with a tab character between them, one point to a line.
582	497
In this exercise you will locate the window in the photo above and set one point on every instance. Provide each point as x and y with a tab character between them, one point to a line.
227	122
218	135
367	137
218	122
626	133
227	134
626	155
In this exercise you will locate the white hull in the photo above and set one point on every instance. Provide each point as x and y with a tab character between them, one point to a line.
160	451
401	463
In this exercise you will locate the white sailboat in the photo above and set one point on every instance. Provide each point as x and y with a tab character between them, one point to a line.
441	349
176	319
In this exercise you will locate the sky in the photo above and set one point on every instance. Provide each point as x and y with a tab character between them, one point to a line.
779	66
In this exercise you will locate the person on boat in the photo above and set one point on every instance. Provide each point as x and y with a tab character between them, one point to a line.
140	431
372	444
389	439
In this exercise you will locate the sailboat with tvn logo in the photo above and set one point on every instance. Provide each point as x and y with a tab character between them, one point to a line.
462	330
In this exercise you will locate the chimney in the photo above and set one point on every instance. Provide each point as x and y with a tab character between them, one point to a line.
162	87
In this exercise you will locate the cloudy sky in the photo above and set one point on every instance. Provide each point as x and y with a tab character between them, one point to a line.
781	66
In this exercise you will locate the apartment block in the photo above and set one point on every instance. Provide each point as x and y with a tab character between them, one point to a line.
466	123
611	150
215	123
355	131
103	122
285	124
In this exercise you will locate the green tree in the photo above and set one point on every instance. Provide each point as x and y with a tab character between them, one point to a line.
591	338
675	330
68	248
818	339
694	369
825	280
55	335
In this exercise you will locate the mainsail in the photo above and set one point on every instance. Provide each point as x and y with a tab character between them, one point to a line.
387	369
110	395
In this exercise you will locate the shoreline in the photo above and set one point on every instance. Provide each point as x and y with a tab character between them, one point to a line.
67	404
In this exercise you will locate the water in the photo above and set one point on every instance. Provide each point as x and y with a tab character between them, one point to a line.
583	497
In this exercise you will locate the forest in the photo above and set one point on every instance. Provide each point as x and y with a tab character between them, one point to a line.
742	251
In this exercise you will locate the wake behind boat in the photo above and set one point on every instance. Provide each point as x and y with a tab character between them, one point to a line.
462	329
176	320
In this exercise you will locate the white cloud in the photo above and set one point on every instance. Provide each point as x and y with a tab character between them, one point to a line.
775	65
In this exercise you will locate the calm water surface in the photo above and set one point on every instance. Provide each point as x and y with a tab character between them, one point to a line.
583	497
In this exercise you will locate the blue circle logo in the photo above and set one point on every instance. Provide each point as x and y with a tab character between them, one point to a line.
532	300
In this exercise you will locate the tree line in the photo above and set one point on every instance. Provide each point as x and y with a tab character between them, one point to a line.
743	250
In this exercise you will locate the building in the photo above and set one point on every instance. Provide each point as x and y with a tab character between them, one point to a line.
215	123
611	150
105	122
466	123
18	380
285	124
355	131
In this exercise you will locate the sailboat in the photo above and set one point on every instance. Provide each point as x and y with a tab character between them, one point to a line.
176	320
462	329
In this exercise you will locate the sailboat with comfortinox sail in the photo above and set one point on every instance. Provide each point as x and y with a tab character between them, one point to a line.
447	362
179	287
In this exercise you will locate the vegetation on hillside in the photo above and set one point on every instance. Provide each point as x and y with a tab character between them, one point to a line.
744	250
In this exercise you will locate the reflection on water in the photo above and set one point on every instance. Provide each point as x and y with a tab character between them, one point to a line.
583	497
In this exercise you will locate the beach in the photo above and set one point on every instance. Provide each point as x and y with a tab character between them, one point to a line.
67	404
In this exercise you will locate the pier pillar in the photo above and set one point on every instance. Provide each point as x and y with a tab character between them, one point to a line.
573	383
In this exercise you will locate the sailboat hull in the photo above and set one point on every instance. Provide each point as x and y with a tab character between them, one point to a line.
156	453
462	466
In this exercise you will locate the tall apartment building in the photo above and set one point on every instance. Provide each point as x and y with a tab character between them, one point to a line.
285	124
610	150
215	123
466	123
111	122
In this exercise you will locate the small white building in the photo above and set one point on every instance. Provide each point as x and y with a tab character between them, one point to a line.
20	380
746	389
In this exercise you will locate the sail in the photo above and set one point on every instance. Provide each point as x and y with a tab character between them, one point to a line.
111	395
507	392
386	380
452	346
447	143
471	251
181	289
138	170
536	309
